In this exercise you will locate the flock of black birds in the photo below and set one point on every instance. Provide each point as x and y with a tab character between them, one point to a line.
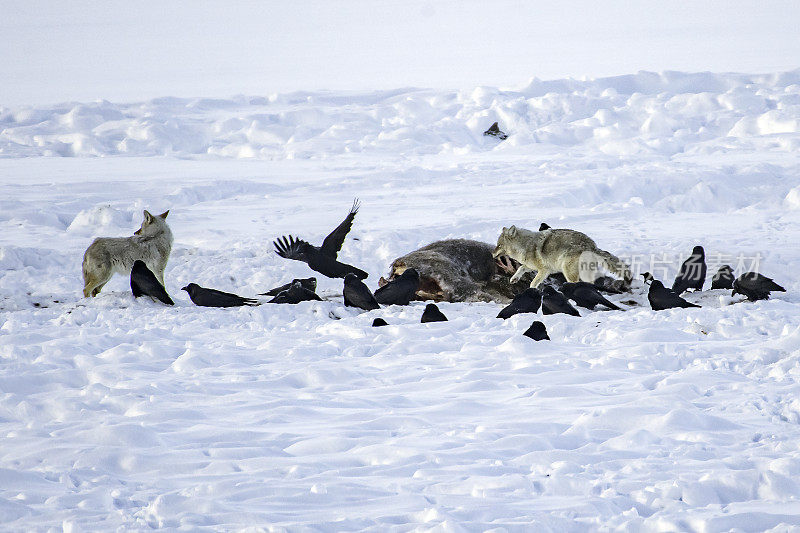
553	298
692	275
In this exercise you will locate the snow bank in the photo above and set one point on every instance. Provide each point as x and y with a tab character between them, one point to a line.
646	113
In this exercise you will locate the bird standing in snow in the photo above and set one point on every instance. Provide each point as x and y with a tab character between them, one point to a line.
528	301
692	274
537	332
554	302
145	283
356	294
401	290
755	286
723	279
213	298
586	295
661	298
432	314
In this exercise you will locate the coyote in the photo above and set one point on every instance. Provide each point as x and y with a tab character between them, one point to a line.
558	250
151	243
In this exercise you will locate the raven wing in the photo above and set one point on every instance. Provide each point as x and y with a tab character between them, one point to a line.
291	248
333	242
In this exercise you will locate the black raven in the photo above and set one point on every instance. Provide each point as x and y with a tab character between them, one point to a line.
295	294
399	291
432	314
543	226
662	298
528	301
214	298
322	259
755	286
586	295
356	294
308	283
145	283
537	332
692	274
494	131
554	302
723	279
610	285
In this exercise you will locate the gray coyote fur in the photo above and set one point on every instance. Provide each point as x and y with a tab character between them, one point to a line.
151	243
558	250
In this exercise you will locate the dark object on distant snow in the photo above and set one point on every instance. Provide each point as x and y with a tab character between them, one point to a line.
648	277
460	270
145	283
378	322
611	285
432	314
356	294
586	295
723	279
543	226
554	302
295	294
537	332
399	291
755	286
494	131
692	274
308	283
322	259
528	301
214	298
661	298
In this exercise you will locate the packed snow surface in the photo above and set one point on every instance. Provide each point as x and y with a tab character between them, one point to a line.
118	413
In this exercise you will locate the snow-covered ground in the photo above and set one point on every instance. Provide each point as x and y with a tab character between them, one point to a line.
118	413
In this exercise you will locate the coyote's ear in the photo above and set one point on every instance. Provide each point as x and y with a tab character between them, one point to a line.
164	214
147	216
512	230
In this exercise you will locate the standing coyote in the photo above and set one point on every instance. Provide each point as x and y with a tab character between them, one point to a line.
558	250
151	243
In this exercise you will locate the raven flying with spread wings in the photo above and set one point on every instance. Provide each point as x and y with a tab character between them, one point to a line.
322	259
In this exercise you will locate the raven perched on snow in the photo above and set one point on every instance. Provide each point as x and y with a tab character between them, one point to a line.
528	301
693	272
755	286
494	131
399	291
213	298
356	294
295	294
723	279
432	314
145	283
586	295
322	259
308	283
662	298
537	332
554	302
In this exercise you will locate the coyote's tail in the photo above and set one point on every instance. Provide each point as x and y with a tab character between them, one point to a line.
613	264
